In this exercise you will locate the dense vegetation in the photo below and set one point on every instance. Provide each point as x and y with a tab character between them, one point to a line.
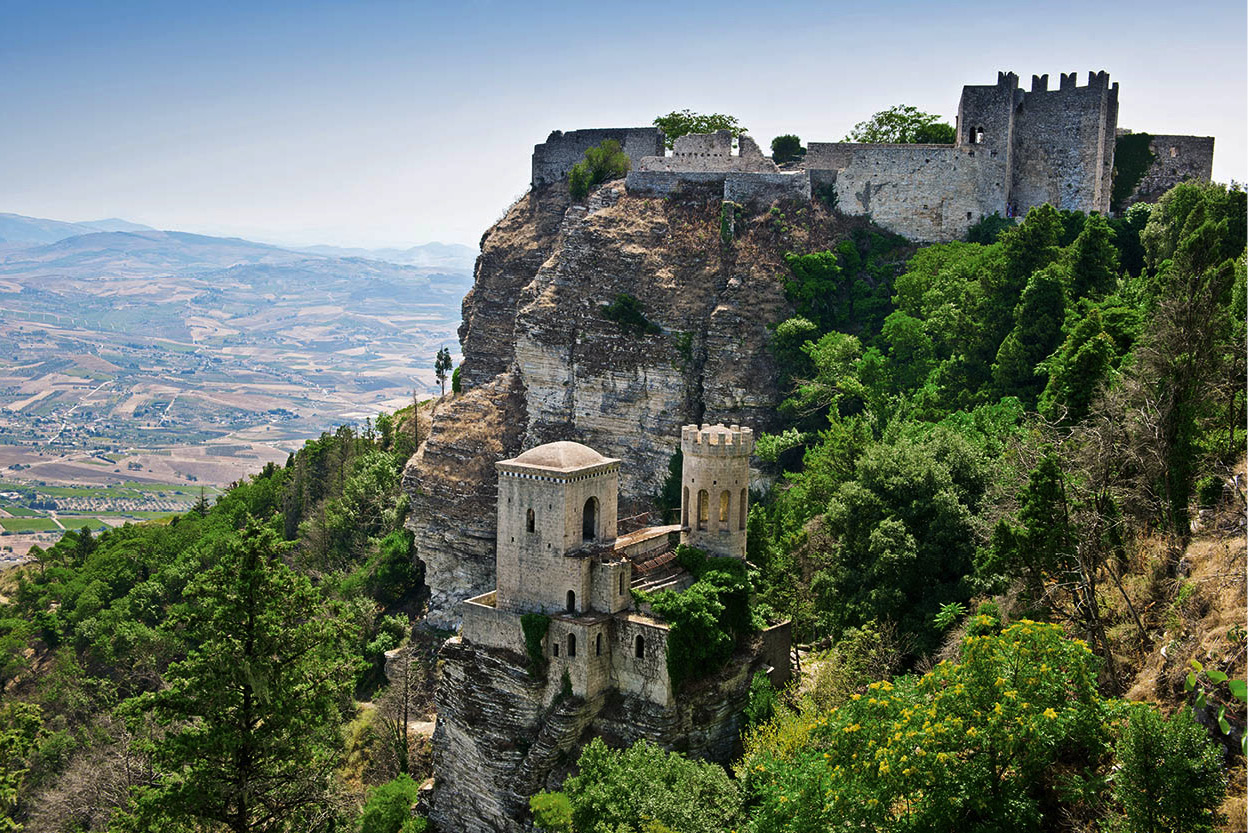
201	673
601	163
1001	424
1005	426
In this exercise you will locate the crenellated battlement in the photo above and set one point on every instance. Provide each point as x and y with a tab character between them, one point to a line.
716	440
1014	149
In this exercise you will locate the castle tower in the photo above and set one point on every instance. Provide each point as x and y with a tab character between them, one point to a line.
715	491
556	504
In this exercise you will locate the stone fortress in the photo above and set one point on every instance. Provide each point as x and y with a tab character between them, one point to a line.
506	730
1014	149
559	552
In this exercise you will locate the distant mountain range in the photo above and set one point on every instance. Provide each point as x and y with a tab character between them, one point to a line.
18	232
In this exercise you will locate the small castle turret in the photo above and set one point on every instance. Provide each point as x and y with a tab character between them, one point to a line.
715	490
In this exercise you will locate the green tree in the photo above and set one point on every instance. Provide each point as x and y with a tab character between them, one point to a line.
1171	776
981	744
252	715
21	727
786	148
389	807
601	163
682	122
1093	260
1077	371
645	788
902	124
1037	333
442	367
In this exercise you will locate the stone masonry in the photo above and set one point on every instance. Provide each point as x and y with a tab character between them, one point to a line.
1014	149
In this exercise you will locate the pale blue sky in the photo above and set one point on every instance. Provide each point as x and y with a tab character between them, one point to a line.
395	123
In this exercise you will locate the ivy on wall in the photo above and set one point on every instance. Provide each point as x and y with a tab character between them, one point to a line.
1132	159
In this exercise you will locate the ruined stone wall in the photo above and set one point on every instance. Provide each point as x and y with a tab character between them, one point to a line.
710	152
761	190
1176	159
1063	146
554	158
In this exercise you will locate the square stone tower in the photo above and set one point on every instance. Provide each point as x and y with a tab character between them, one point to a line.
715	491
557	504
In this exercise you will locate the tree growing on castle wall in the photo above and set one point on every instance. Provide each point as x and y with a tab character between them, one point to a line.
603	162
903	124
786	148
682	122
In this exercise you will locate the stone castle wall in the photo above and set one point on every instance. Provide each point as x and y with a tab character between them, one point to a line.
1063	146
1176	159
554	158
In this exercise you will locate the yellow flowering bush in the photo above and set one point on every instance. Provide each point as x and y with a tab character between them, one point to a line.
988	742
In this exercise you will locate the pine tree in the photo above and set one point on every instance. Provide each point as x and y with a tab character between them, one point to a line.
1037	333
442	367
1093	260
253	712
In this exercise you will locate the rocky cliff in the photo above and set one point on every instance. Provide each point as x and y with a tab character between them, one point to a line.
501	737
542	362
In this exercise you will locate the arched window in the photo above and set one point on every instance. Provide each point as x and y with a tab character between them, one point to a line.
598	643
571	645
684	508
704	509
724	501
639	647
530	521
571	602
741	513
979	136
589	520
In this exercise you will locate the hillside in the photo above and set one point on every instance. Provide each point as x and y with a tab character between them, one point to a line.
151	357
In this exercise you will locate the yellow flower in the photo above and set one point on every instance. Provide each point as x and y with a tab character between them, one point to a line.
971	732
1049	713
884	768
856	696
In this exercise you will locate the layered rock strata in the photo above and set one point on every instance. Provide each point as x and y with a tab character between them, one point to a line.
503	735
542	362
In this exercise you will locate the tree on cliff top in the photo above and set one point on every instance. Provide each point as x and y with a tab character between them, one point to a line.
903	124
682	122
601	163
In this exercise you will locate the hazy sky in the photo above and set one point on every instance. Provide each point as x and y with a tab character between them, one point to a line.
395	123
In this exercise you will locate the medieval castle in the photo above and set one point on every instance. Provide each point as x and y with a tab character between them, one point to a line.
1014	149
559	553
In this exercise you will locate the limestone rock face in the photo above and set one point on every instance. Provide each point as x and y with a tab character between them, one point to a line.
543	363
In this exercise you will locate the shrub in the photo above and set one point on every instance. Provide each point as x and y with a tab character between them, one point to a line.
988	228
707	618
1170	776
551	811
456	385
1209	491
389	807
786	148
762	700
982	744
627	312
645	788
601	163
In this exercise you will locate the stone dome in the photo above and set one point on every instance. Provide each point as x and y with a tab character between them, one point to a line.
562	454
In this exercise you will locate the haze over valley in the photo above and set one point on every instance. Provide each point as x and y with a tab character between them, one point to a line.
138	366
